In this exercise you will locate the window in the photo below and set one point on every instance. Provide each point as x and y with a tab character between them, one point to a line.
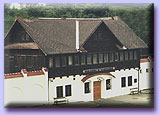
147	70
100	35
64	61
59	91
135	55
76	60
126	55
68	90
89	59
123	82
130	81
105	58
50	62
108	84
135	80
140	70
95	36
27	37
86	87
83	60
121	56
95	59
116	56
131	55
111	57
100	56
57	61
70	60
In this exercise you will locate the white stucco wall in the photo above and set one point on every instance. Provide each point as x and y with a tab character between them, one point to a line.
34	89
30	90
77	86
146	78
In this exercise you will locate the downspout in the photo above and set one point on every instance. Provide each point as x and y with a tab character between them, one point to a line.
140	51
138	80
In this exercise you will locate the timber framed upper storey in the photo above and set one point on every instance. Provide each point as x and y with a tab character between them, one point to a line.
71	46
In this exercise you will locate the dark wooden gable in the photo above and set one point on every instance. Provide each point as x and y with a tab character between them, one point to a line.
17	34
102	39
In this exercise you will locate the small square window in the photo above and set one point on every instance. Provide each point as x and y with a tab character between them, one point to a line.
70	60
108	84
100	35
57	61
95	59
59	91
100	56
121	56
135	55
135	80
111	57
123	82
76	60
68	90
147	70
140	70
86	87
130	81
126	55
89	59
83	60
50	62
116	56
64	61
131	55
105	58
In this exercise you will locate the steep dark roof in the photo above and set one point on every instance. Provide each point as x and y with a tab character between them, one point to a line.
55	36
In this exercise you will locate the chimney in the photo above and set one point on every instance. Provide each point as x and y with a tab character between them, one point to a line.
77	35
63	17
115	17
17	16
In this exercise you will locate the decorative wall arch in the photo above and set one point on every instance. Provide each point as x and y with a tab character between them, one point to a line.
39	85
19	90
93	75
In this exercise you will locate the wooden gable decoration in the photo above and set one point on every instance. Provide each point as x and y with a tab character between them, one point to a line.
18	38
102	39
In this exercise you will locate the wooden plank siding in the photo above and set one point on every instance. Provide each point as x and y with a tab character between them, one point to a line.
15	60
102	40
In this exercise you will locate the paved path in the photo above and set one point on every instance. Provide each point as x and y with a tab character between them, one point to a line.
129	101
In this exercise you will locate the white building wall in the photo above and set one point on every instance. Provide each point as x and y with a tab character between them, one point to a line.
30	90
146	78
34	89
77	86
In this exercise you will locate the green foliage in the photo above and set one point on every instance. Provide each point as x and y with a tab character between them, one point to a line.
140	20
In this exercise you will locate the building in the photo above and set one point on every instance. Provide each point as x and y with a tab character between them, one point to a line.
87	59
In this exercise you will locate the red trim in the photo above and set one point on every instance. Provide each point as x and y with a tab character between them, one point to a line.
144	60
24	71
13	75
35	73
93	75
